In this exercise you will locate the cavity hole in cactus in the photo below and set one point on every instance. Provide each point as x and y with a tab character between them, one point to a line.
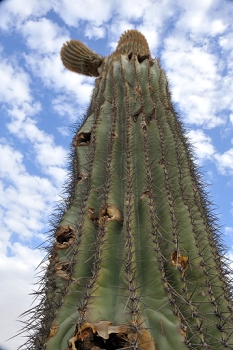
135	117
64	234
114	135
104	335
139	111
66	267
142	58
93	341
110	212
82	139
130	55
82	176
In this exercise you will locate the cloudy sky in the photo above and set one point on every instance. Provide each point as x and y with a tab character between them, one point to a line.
40	101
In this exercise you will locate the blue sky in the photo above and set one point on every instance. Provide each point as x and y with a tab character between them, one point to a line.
40	100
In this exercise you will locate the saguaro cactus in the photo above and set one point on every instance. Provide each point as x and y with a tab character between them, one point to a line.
136	260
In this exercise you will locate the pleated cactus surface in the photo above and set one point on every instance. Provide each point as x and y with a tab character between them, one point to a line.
136	260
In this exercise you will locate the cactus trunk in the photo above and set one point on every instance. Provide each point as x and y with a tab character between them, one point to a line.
136	262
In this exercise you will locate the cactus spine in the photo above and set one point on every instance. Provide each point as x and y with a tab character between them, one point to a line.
136	262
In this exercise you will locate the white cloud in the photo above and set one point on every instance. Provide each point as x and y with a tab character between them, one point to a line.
94	32
53	75
19	115
14	87
231	118
205	150
50	158
44	35
225	162
21	108
195	80
64	131
16	272
202	145
25	199
126	10
73	11
201	17
229	231
226	42
57	173
49	155
67	108
12	14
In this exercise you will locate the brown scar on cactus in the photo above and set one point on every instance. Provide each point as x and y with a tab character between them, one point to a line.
109	213
179	261
82	139
52	333
92	217
104	335
114	135
145	194
62	270
82	176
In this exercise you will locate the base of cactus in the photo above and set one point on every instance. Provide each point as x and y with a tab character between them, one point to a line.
103	335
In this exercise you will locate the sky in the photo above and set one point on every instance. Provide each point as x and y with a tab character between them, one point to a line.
40	101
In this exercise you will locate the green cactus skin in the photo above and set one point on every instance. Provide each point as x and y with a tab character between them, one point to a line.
137	261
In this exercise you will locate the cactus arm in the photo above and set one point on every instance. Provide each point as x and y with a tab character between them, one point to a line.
78	58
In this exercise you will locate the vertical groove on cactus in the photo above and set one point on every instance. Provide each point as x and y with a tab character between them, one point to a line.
136	260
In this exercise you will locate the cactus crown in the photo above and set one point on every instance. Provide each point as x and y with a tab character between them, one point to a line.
132	41
78	58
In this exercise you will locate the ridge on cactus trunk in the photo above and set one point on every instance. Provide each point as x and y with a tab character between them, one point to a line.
136	259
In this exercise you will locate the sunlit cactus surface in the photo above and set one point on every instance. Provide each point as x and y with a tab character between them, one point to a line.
135	260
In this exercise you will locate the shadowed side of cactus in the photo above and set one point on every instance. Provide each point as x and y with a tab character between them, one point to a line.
136	261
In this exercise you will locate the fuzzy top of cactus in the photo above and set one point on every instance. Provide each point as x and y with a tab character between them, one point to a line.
132	41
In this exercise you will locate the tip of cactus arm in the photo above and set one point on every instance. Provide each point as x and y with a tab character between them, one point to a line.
78	58
104	335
